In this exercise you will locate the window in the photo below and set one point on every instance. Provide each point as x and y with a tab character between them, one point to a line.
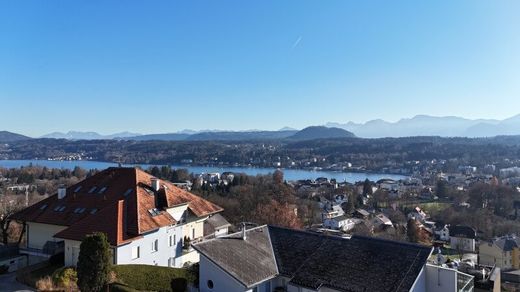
43	207
127	192
102	190
93	189
172	240
77	189
93	211
155	245
135	252
193	233
210	284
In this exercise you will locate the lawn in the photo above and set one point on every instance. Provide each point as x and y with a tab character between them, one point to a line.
31	277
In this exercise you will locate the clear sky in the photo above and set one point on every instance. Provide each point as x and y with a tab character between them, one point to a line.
163	66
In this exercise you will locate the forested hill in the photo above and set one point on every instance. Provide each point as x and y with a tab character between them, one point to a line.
7	137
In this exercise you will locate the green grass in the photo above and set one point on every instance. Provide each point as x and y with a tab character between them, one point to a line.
153	278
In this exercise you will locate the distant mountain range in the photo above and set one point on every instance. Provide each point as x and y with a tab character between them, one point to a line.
423	125
76	135
310	133
7	137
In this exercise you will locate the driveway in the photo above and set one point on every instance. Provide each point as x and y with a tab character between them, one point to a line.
8	283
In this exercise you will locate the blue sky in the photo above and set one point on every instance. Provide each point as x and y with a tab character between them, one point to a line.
163	66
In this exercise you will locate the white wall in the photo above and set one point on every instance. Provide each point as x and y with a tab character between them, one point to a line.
466	243
71	252
440	279
420	282
149	257
38	234
222	281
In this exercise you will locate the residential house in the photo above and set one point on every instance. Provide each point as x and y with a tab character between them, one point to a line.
361	214
269	259
442	231
331	211
381	222
463	238
344	223
145	219
504	252
216	225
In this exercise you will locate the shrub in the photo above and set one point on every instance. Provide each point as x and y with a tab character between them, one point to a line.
93	263
145	277
66	278
45	284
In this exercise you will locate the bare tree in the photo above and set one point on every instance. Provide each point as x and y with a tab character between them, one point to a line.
8	206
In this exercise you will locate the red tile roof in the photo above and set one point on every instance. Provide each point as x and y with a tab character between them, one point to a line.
119	205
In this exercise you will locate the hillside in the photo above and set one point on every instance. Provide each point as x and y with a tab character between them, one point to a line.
321	132
236	136
6	137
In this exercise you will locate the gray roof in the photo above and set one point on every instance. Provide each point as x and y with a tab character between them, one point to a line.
215	222
507	243
315	260
249	261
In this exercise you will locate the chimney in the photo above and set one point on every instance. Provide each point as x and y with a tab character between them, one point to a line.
155	184
62	192
244	237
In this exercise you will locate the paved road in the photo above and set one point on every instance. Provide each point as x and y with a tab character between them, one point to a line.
8	283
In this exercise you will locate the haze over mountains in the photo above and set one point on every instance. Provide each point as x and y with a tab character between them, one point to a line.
420	125
423	125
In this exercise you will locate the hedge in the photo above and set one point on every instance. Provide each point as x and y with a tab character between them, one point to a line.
153	278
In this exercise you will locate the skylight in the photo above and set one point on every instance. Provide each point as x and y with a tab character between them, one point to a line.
128	192
57	208
93	211
93	189
150	192
61	209
79	210
154	212
77	189
43	207
102	190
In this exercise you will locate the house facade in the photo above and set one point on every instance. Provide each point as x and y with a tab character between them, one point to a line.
146	220
268	259
504	252
463	238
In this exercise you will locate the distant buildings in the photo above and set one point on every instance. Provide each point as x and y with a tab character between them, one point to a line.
462	238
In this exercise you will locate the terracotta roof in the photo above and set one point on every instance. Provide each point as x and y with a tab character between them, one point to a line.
118	201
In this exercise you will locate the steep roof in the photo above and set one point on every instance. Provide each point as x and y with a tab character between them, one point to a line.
507	243
117	201
249	261
315	260
463	231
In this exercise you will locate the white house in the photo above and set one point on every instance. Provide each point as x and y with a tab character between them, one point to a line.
340	223
463	238
145	219
269	259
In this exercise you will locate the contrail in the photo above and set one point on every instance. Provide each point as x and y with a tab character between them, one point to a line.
295	44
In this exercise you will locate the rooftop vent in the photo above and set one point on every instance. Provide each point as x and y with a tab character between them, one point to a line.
62	192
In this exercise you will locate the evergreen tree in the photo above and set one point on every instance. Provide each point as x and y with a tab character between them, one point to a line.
412	231
93	263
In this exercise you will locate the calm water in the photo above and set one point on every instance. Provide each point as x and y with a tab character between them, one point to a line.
289	174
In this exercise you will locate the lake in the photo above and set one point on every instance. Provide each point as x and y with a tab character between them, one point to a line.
289	174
